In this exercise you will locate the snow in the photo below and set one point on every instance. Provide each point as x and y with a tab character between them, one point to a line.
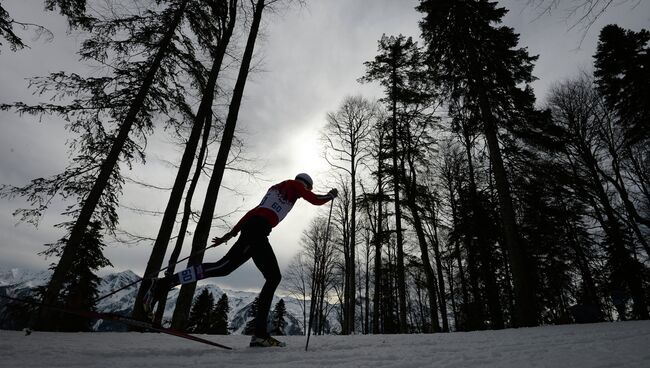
618	344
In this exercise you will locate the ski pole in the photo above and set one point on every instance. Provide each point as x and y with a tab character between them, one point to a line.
311	303
153	273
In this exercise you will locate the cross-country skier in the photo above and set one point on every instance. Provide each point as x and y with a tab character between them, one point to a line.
253	243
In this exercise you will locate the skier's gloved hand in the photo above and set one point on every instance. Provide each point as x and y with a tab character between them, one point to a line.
220	240
333	193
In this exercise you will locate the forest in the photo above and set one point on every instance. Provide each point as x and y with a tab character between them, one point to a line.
465	203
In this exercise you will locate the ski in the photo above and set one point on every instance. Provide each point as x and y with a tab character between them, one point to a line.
122	319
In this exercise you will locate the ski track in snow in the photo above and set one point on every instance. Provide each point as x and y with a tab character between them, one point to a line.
620	344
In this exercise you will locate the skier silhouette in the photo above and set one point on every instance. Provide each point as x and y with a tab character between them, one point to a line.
253	243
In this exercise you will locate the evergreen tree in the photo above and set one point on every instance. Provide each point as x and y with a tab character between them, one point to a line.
7	32
201	315
74	10
399	57
80	284
279	324
127	116
622	71
252	313
476	61
219	324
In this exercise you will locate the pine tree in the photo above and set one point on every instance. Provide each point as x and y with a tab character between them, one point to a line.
252	313
398	58
128	115
622	71
279	324
220	316
475	60
80	283
74	10
7	32
201	315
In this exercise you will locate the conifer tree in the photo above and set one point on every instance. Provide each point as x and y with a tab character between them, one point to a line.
109	162
7	32
219	324
201	315
279	324
476	60
252	313
622	71
80	287
398	56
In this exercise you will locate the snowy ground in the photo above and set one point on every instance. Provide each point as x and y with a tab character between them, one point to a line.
622	344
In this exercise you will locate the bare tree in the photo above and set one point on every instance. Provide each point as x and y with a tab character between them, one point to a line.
347	141
297	281
583	13
310	274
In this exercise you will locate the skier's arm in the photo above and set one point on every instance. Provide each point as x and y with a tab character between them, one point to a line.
316	199
220	240
232	233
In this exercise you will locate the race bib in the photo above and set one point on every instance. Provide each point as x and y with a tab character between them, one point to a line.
274	201
191	274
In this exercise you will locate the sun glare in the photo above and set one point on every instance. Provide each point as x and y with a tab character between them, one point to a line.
306	149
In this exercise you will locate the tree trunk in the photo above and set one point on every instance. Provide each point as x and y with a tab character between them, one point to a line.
202	231
401	280
90	203
187	212
376	298
458	256
525	311
625	270
424	251
478	232
352	275
441	282
205	109
367	291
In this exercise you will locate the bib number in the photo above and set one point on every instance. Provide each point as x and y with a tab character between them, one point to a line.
191	274
273	201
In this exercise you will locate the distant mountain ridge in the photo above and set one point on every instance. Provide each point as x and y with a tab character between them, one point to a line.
22	283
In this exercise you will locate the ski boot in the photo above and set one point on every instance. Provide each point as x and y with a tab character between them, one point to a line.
265	342
155	288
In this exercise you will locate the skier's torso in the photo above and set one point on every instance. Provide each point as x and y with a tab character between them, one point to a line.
279	200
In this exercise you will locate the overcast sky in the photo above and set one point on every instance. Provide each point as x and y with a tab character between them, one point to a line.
308	60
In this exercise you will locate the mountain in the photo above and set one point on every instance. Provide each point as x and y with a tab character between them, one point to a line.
22	283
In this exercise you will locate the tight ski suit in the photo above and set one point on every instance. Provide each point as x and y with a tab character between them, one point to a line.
253	243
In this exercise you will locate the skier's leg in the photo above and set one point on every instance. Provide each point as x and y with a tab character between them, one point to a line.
266	262
236	256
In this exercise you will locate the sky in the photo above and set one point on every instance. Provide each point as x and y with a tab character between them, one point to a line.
307	61
619	344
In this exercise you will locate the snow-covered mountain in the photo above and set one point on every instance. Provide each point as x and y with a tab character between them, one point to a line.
21	283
